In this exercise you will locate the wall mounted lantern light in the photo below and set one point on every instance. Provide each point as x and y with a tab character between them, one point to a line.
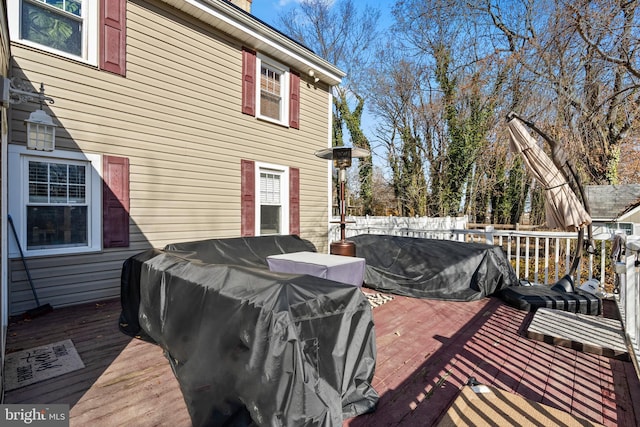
341	157
41	131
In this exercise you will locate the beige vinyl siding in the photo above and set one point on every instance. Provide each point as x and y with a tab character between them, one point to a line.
177	117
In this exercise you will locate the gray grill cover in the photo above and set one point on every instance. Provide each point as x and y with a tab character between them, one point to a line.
252	347
433	269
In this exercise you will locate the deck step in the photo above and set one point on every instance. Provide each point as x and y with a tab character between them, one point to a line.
589	334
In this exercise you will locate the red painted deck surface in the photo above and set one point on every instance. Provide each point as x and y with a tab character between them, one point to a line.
426	351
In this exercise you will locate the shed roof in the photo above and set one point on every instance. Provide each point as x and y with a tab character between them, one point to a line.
609	202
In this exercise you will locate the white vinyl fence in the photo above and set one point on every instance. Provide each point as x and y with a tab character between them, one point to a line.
419	226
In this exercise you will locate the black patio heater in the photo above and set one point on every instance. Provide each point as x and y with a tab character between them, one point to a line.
341	157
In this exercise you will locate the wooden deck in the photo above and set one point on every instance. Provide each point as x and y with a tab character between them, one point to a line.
427	350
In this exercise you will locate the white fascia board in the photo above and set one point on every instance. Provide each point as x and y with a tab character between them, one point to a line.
629	213
259	36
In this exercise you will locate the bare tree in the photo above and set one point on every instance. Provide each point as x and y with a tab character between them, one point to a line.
344	36
569	66
384	200
582	74
450	72
607	111
446	91
396	98
629	172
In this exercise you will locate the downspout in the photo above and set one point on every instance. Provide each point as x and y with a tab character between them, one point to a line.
5	57
329	165
4	247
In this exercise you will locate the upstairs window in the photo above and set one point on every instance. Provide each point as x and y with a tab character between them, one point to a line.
91	31
58	24
270	91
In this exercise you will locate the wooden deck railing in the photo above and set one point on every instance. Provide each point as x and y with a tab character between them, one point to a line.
629	298
536	256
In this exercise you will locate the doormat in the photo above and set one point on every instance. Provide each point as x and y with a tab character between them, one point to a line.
37	364
377	300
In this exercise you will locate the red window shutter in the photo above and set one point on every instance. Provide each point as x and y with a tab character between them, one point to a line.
294	100
115	202
113	40
294	201
248	202
248	82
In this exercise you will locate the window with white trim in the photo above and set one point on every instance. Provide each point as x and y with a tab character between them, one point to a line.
273	91
65	27
272	188
54	201
56	204
627	227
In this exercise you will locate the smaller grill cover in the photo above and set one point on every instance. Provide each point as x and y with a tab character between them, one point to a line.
530	298
249	346
433	269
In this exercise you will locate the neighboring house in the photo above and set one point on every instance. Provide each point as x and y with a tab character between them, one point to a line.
5	56
178	121
615	207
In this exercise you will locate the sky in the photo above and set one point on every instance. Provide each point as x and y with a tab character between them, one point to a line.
269	12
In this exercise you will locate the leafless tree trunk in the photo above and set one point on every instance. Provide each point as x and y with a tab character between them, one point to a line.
342	35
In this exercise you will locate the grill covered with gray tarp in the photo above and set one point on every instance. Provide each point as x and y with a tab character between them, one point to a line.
433	269
249	345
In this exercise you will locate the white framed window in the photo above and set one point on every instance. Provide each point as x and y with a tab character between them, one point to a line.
627	227
273	91
272	210
55	201
65	27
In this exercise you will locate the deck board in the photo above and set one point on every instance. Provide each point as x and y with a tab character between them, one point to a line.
426	352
